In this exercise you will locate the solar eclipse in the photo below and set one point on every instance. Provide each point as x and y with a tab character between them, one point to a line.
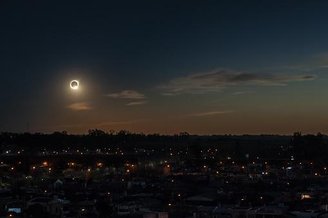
74	84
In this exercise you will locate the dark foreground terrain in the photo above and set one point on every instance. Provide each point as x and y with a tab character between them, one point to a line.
153	176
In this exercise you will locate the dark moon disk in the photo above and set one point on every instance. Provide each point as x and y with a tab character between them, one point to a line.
74	84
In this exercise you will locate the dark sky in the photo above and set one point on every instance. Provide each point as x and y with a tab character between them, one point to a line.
164	66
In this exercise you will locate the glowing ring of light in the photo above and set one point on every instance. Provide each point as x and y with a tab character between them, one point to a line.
74	84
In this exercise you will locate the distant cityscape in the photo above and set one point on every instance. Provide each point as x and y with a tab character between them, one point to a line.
164	109
123	174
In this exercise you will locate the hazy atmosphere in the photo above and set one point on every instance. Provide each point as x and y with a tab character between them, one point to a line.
205	67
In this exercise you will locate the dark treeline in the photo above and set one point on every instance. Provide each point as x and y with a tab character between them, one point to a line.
96	137
239	146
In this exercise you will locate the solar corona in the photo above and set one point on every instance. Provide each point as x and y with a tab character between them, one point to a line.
74	84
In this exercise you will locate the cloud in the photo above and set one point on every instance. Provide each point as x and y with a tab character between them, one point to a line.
220	79
95	125
127	94
80	106
136	103
243	92
210	113
120	122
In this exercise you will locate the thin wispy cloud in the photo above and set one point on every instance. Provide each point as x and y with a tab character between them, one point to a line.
80	106
127	94
135	103
86	126
220	79
210	113
243	92
316	62
119	122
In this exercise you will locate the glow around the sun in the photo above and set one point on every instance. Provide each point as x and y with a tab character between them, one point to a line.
74	84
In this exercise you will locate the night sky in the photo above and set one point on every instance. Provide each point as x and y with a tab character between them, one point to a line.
205	67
